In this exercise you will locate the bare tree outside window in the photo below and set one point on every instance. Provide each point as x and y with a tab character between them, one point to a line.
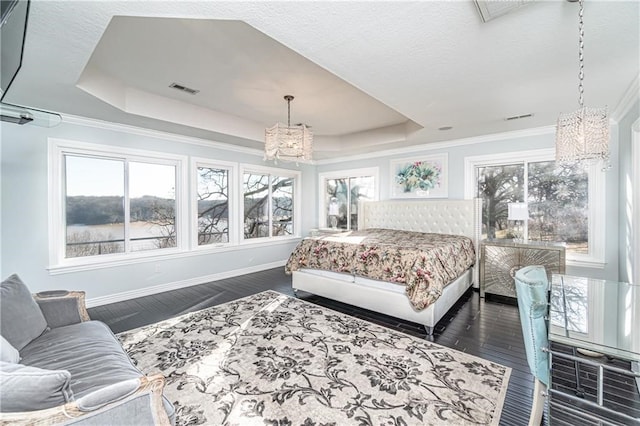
213	205
152	208
497	187
268	205
558	200
556	196
256	205
282	206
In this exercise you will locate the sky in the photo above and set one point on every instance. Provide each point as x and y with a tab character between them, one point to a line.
104	177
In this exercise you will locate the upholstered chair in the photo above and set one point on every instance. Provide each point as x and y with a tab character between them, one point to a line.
532	288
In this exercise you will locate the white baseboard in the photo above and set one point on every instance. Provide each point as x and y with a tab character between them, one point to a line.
127	295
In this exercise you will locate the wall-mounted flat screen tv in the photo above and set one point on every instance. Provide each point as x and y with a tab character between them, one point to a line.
13	28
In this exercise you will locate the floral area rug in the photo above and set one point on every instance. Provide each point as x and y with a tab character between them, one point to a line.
270	359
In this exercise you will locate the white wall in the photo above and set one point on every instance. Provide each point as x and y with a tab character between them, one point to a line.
24	218
487	145
24	195
628	211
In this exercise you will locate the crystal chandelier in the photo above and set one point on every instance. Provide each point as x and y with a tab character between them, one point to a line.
288	143
582	135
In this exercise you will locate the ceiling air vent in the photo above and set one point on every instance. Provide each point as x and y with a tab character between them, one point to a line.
183	88
518	117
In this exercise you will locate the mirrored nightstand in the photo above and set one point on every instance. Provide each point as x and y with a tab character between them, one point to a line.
500	259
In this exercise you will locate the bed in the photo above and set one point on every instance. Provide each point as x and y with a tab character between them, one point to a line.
453	217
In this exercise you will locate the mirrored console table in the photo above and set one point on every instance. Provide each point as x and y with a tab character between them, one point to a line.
603	318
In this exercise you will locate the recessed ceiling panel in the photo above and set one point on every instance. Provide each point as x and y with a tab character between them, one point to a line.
229	68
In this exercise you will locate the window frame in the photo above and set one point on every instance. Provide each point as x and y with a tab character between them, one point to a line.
232	198
297	204
186	204
344	174
59	148
596	182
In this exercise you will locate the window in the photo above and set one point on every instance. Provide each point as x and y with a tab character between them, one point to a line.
152	205
213	211
557	201
103	215
270	203
106	204
94	213
114	206
340	194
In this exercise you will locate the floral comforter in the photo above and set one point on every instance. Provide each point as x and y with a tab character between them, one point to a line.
424	263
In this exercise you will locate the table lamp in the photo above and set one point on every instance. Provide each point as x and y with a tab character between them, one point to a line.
519	212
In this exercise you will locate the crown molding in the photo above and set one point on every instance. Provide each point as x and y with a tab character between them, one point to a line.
99	124
630	97
536	131
174	137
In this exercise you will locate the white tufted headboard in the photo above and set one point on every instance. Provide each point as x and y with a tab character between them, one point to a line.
458	217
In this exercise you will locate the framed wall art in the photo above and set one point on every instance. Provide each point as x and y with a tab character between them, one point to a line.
420	177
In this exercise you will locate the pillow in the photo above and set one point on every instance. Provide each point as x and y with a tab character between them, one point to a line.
7	352
21	319
27	388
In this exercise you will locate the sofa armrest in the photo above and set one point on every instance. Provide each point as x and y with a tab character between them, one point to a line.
121	403
62	308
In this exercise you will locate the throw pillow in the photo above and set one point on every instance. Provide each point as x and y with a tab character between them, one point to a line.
21	319
7	352
26	388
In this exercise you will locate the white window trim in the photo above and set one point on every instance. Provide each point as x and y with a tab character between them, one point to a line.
634	262
297	202
166	256
57	149
337	174
595	257
232	198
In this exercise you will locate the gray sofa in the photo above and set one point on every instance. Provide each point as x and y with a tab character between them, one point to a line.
59	367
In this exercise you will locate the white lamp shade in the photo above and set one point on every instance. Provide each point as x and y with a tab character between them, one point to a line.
518	211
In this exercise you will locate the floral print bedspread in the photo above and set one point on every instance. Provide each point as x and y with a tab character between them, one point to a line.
423	263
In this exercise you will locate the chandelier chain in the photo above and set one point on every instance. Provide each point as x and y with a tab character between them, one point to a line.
581	54
583	135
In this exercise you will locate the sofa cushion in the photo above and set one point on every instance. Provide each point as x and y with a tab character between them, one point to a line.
21	320
29	388
88	350
7	352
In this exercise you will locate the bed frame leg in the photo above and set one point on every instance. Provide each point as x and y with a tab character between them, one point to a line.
429	330
295	292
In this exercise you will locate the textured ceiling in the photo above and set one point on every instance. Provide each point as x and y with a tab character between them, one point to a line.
365	74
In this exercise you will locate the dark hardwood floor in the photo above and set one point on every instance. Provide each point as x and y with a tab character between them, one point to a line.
488	329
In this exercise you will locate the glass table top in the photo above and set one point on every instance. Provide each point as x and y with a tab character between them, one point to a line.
601	315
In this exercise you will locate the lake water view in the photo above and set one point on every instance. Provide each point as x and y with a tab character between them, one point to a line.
108	238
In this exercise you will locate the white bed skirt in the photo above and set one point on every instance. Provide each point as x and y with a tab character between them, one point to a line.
379	296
